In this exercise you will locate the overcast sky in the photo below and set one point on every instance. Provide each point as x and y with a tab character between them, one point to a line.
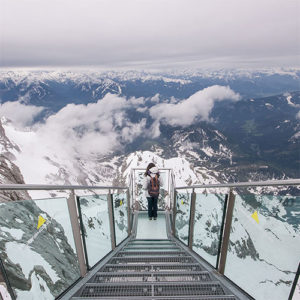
111	33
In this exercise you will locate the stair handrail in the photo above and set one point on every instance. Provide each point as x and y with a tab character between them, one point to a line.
57	187
244	184
228	212
73	214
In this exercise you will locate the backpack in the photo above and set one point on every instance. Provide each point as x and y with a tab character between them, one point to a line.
153	186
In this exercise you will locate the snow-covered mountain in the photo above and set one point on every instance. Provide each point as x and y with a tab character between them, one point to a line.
92	130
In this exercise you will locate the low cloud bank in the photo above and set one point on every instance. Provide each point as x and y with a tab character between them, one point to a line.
20	114
196	108
95	128
105	126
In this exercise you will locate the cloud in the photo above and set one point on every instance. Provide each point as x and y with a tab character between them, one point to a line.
120	32
298	115
101	128
20	114
196	108
95	128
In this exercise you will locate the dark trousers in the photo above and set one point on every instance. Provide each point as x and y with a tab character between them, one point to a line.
152	207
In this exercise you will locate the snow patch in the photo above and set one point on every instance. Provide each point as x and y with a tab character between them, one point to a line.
28	259
15	233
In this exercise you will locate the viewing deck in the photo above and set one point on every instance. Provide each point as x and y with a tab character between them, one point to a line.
208	242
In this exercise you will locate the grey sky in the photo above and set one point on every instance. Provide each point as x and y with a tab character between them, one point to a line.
155	32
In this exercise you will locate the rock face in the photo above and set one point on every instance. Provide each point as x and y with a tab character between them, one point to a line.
47	257
9	172
51	258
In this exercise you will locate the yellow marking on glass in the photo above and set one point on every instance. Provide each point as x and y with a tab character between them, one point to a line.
255	217
121	202
182	202
41	221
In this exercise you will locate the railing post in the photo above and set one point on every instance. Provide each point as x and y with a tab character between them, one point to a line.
295	283
226	234
192	219
111	220
128	211
174	212
74	218
4	280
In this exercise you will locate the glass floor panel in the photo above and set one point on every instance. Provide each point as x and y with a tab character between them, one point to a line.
154	229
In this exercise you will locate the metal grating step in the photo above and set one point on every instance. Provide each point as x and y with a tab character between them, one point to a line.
152	244
152	240
188	289
152	267
151	253
133	249
152	259
150	277
101	290
206	297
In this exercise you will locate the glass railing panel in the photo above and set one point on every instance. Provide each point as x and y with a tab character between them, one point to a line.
120	210
163	198
264	250
207	225
94	217
37	247
182	218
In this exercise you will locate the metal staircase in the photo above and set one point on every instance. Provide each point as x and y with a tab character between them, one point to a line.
131	257
155	269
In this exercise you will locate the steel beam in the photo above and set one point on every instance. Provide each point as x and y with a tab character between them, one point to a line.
226	235
128	212
74	218
192	220
111	220
174	212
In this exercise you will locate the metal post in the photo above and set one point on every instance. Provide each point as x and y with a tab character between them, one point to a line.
5	280
192	220
295	283
226	235
173	188
169	190
222	230
174	212
76	232
128	212
111	220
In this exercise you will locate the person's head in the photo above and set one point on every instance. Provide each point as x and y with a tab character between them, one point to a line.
151	165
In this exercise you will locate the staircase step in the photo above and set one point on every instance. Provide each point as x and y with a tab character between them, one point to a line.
153	268
144	244
151	253
133	249
102	290
206	297
109	277
151	242
152	259
147	245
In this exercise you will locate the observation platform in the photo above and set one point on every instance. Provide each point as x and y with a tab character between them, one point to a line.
98	243
152	264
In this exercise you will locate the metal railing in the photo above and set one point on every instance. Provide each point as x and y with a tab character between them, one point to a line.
76	225
228	208
134	191
74	214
